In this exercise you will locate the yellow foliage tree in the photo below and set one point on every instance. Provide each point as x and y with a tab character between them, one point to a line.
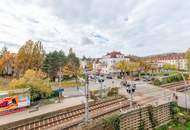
30	56
187	57
35	81
127	66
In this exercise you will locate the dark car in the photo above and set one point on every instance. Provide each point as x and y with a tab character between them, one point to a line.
136	79
109	77
148	78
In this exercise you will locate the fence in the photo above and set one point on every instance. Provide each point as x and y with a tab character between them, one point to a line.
146	118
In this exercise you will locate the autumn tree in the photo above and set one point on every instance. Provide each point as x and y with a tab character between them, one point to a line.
35	81
72	67
127	66
53	63
187	57
30	56
6	63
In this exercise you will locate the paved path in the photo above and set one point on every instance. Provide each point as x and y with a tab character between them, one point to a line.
149	94
68	102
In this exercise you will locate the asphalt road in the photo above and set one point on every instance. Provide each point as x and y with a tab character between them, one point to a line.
145	93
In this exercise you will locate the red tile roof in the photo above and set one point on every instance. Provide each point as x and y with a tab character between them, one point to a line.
169	56
113	54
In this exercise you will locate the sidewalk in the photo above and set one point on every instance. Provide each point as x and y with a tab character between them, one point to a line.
68	102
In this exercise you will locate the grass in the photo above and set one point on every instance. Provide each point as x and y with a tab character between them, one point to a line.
67	84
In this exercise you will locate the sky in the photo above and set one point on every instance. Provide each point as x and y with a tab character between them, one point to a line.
95	27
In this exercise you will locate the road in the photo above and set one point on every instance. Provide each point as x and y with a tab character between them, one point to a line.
93	85
145	93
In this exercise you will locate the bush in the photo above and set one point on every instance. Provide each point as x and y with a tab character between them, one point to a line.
113	92
157	82
170	79
93	94
34	80
112	122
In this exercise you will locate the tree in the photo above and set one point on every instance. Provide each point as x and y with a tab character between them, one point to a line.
35	81
6	63
187	57
89	65
53	63
168	66
3	51
72	67
127	66
30	56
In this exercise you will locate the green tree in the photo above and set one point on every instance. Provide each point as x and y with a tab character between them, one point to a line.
53	63
3	51
168	66
187	57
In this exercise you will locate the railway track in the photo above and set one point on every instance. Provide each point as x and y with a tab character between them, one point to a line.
177	86
71	118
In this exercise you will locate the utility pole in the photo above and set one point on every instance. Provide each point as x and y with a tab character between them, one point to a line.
87	116
186	85
59	82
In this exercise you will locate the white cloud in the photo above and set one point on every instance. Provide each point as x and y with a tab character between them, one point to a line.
132	26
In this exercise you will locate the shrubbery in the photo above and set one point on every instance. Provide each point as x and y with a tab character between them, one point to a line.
94	94
166	80
36	82
113	92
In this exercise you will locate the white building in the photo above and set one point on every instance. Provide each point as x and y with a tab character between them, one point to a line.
177	59
105	65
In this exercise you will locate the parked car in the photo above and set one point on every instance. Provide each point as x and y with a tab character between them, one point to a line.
91	76
136	79
109	77
148	78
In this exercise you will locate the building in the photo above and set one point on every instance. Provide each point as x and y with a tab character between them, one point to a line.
105	65
177	59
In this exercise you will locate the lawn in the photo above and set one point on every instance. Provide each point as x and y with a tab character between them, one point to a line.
67	84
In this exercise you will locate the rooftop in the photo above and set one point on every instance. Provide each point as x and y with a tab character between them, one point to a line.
114	54
167	56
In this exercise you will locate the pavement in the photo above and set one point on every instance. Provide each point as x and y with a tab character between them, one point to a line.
68	102
146	94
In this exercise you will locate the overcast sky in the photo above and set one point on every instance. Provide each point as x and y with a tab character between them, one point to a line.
95	27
